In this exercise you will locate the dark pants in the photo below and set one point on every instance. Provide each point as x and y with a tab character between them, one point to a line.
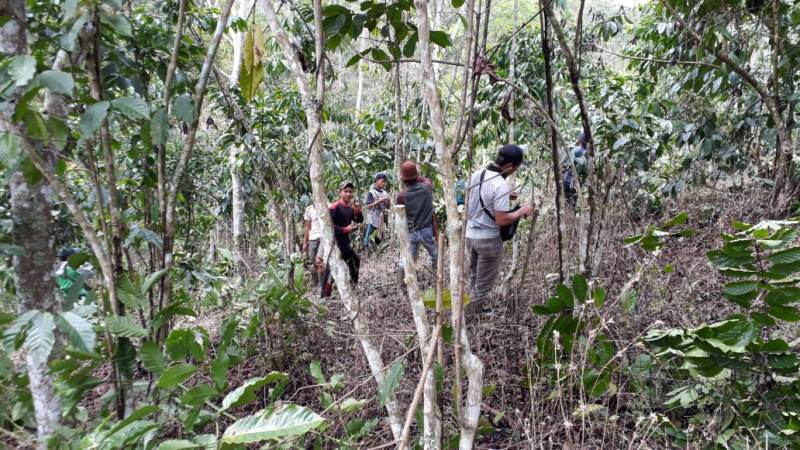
350	258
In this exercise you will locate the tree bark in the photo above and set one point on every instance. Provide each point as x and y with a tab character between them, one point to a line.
472	365
31	206
312	103
432	426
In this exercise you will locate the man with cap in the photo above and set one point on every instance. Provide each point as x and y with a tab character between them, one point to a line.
488	210
579	159
376	202
417	196
343	213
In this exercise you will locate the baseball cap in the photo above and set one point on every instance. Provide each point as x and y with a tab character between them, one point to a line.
345	184
510	154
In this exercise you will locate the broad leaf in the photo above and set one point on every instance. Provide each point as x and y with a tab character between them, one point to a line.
57	81
177	444
119	23
252	62
176	375
21	69
40	338
152	358
390	382
129	293
288	420
580	287
198	394
133	107
316	372
440	38
79	330
93	117
159	127
183	108
246	393
124	326
152	279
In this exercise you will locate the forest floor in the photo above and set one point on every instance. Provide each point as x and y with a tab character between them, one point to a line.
676	286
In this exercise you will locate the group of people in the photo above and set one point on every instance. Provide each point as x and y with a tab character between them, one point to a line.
488	212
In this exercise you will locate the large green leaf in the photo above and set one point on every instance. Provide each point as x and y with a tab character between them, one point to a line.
79	330
159	127
246	393
175	375
129	293
133	107
21	69
152	279
440	38
252	62
177	444
124	326
316	372
118	22
183	108
580	287
288	420
93	117
40	338
152	358
57	81
391	382
198	394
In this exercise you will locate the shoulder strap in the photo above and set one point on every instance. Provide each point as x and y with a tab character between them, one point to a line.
480	195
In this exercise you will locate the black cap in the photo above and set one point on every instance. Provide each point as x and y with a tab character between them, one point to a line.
510	154
381	176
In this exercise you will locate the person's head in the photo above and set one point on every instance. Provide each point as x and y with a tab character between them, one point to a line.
66	252
346	191
509	158
582	139
380	180
409	172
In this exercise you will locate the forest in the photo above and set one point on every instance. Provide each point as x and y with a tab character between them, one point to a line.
373	224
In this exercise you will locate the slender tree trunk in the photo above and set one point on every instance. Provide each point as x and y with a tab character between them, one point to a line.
362	45
548	75
31	206
432	426
472	365
312	103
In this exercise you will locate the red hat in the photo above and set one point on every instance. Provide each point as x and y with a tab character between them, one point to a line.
408	171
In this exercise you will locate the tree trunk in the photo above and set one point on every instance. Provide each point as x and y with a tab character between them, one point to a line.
31	206
312	103
237	207
432	426
472	365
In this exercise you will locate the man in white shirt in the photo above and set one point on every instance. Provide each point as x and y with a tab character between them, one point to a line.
488	210
312	233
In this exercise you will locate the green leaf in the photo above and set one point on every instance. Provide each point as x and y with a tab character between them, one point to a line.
628	300
457	3
57	81
119	23
316	372
177	444
680	219
252	71
133	107
219	370
124	326
135	416
354	60
390	382
183	108
79	331
788	256
175	375
159	127
288	420
440	38
599	296
737	288
198	394
152	358
381	58
246	393
68	39
565	295
350	405
21	69
580	287
152	279
786	313
93	117
129	293
40	338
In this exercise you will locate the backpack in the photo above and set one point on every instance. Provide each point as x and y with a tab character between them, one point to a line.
506	231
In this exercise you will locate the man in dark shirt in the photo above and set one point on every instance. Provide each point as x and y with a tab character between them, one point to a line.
343	213
417	196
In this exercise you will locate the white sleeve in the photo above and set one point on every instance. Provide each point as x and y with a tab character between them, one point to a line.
307	215
501	194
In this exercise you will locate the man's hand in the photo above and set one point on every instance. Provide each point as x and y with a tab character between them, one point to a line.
525	211
350	228
513	196
305	247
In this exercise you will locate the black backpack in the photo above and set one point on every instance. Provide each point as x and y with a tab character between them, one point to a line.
506	231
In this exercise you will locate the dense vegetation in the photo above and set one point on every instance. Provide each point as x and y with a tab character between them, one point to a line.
171	147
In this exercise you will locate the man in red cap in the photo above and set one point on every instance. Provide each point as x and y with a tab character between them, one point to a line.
343	213
417	196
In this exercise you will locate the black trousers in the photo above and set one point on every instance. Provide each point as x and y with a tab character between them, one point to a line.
350	257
